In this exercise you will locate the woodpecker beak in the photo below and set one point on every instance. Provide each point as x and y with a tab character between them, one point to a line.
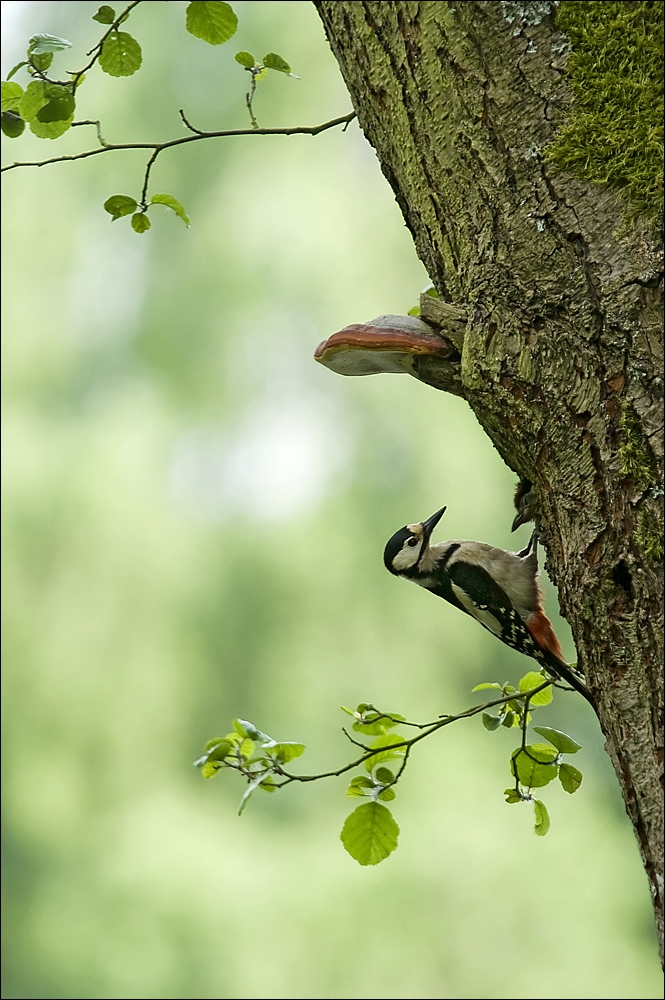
519	520
430	524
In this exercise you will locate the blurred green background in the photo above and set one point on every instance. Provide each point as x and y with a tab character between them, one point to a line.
194	520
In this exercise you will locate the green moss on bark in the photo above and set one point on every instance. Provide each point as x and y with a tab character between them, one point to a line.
614	135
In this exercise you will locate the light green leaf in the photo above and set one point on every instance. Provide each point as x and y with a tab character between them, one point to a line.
41	62
570	778
11	96
12	124
431	291
356	791
491	722
44	42
245	59
415	311
213	742
349	711
563	743
120	204
16	68
486	685
210	769
533	680
253	785
384	775
273	61
534	773
542	818
175	206
387	795
120	55
370	833
512	796
268	785
211	20
105	15
50	130
222	748
287	751
510	719
33	100
380	757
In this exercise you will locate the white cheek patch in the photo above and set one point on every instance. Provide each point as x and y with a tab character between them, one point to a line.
407	557
485	618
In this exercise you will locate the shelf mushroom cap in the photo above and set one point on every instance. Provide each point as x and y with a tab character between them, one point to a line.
385	344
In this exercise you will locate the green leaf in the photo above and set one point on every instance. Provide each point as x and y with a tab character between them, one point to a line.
570	778
222	748
431	291
287	751
510	719
349	711
245	59
175	206
387	795
563	743
491	722
34	98
120	204
50	130
415	311
357	791
12	124
105	15
486	685
60	106
379	758
533	680
384	775
534	773
41	62
512	796
44	42
370	833
542	818
240	727
213	742
15	69
253	785
140	222
11	96
120	55
268	785
211	20
246	748
273	61
210	769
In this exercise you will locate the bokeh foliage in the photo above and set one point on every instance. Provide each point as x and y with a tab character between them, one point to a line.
194	517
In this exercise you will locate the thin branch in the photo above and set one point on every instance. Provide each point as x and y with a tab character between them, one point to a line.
158	147
96	51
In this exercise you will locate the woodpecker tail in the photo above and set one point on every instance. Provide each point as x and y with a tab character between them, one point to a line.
541	629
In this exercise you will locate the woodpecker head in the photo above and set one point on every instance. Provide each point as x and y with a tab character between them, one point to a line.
525	503
404	552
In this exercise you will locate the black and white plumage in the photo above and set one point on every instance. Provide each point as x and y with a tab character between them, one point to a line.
498	588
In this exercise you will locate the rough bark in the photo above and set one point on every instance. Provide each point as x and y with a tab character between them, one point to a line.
562	353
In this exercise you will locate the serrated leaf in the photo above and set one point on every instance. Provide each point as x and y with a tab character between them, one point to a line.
60	106
245	59
380	757
486	685
211	20
512	796
175	206
12	125
563	743
43	42
15	69
533	680
570	778
370	833
11	96
50	130
210	769
34	98
534	773
105	15
120	204
140	222
491	722
121	54
542	818
287	751
273	61
41	62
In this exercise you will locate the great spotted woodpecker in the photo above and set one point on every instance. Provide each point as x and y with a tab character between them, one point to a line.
525	503
499	589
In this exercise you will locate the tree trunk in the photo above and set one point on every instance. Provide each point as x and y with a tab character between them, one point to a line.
561	359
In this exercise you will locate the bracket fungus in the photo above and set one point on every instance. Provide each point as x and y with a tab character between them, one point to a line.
398	344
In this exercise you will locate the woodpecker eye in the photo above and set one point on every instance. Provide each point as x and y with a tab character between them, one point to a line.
412	541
